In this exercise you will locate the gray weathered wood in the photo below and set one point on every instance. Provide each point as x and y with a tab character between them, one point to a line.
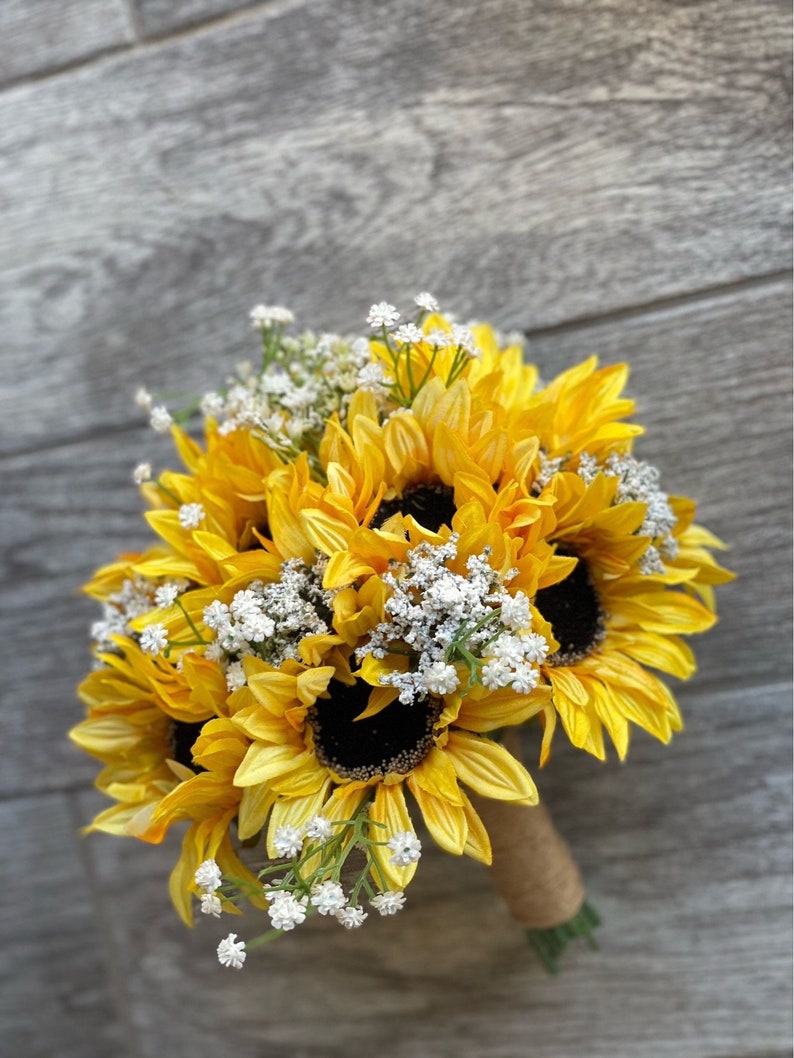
55	990
686	853
713	387
160	17
330	154
40	36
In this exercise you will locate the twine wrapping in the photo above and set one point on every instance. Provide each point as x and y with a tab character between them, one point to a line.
532	867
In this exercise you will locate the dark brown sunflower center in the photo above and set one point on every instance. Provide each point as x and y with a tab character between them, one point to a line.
181	737
573	609
394	740
431	505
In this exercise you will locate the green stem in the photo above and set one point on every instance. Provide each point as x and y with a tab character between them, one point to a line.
189	620
167	492
426	375
551	943
263	938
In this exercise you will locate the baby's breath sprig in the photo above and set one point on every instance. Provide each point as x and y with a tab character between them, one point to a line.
302	381
271	620
312	881
160	418
400	346
447	622
270	320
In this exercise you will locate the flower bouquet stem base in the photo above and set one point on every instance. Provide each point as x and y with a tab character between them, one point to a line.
534	872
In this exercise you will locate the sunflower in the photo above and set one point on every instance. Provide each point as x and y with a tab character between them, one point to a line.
212	512
315	750
166	755
622	608
580	410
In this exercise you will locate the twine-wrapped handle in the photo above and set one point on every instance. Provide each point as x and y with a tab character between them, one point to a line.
532	867
533	870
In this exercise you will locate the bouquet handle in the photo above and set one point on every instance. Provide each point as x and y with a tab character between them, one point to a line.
536	875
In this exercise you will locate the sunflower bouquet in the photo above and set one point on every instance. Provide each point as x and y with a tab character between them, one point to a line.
384	557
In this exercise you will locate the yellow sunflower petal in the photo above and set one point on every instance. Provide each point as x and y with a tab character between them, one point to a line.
478	844
489	769
446	822
436	776
264	764
255	805
389	807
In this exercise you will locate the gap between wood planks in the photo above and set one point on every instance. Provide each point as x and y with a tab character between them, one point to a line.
630	312
143	43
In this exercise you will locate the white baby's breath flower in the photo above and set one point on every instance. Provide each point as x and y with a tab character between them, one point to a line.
426	301
328	897
441	678
464	338
440	338
160	419
535	646
154	638
208	876
286	911
509	648
408	334
268	315
351	917
235	676
406	848
382	315
372	378
166	594
388	903
495	674
191	515
287	841
231	952
524	679
216	615
211	905
142	473
515	612
214	651
143	398
212	405
319	828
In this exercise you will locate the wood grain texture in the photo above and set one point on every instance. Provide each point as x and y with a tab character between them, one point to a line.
530	162
157	18
685	851
40	36
55	996
713	384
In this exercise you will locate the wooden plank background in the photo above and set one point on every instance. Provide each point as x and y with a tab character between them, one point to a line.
609	177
